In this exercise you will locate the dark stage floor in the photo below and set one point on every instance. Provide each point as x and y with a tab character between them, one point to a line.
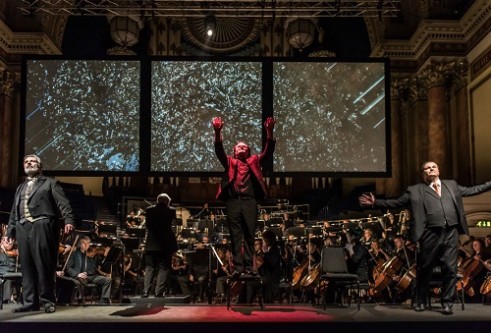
152	315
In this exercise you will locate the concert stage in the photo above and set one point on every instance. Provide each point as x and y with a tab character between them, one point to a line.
151	315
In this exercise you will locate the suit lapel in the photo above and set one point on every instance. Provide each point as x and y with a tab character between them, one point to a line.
37	184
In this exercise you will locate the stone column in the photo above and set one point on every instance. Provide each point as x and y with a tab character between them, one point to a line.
459	82
9	83
391	187
399	93
434	77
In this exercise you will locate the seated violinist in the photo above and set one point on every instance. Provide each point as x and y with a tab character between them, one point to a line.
269	270
181	273
220	273
83	267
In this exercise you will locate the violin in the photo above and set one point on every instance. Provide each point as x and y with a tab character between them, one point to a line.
12	253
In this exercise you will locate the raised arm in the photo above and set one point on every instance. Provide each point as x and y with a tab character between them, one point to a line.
217	123
269	125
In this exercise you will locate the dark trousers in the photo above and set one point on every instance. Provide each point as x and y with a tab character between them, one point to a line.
242	216
38	250
157	262
437	245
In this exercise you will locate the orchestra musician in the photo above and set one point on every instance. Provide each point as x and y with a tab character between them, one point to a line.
477	266
8	264
220	273
269	268
181	273
82	266
131	220
406	255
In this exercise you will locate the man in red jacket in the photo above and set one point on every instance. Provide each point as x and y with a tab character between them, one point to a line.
241	187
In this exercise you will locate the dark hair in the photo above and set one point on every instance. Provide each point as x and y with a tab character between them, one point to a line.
38	159
400	236
269	236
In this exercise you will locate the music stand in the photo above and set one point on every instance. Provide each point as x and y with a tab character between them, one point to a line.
297	232
117	251
192	223
274	221
221	223
106	228
130	243
137	232
188	233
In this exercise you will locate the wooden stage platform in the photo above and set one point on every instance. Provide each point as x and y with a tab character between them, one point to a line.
153	315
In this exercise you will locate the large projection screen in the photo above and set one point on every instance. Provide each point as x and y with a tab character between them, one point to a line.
186	95
83	115
331	117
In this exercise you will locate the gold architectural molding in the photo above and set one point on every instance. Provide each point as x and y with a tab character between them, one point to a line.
433	35
9	82
26	42
54	27
444	73
399	88
481	63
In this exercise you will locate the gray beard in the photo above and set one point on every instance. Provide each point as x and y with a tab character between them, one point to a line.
32	172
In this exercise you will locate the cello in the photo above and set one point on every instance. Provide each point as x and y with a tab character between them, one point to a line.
299	273
469	268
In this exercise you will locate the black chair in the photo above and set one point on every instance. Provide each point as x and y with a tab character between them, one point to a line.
334	269
436	283
243	279
15	277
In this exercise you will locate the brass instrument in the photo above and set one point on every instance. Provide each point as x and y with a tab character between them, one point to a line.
385	221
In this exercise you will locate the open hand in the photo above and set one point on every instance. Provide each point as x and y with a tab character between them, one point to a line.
366	200
217	123
269	123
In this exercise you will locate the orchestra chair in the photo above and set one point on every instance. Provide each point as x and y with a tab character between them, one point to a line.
285	291
244	278
335	269
14	277
436	283
91	293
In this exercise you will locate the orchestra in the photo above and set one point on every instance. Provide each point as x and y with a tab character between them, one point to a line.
376	249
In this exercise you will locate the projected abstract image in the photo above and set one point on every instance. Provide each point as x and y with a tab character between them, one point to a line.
330	117
186	95
83	115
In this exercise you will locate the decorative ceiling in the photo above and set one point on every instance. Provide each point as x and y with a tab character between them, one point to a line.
347	28
221	8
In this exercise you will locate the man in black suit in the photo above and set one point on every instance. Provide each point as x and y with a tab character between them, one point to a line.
161	243
438	219
34	223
